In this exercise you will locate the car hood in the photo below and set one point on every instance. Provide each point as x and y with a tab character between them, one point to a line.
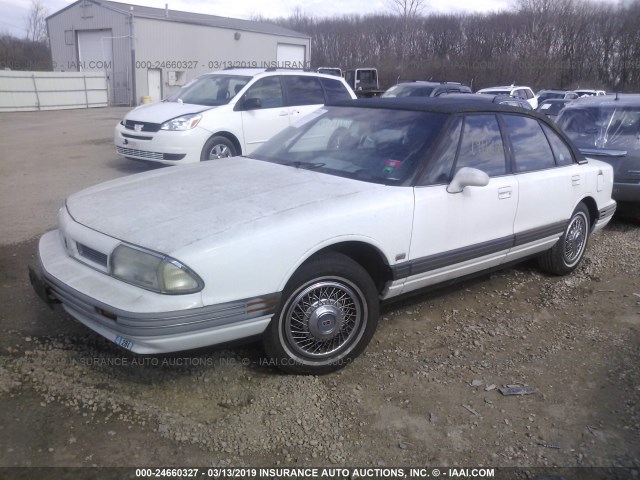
174	207
163	111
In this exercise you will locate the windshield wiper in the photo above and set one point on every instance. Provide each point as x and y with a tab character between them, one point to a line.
305	165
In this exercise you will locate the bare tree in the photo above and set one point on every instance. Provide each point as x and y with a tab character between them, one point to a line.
36	22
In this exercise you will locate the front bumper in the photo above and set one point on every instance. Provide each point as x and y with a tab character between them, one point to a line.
166	147
149	330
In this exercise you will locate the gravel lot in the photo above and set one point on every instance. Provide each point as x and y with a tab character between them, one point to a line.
424	393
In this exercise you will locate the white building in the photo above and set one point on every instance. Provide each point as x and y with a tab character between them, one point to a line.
153	51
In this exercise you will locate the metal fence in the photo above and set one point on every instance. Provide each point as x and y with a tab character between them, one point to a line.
28	91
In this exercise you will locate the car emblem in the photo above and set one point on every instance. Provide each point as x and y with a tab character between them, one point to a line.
137	127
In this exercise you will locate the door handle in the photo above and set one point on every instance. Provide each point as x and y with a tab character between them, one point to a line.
575	180
283	113
504	192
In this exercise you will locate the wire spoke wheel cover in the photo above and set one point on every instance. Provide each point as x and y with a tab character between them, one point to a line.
325	318
575	239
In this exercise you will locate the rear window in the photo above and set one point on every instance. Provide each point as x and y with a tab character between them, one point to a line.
408	91
303	90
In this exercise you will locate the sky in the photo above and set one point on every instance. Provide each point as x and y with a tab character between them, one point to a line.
13	12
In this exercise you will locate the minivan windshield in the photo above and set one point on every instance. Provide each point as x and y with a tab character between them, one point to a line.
210	90
375	145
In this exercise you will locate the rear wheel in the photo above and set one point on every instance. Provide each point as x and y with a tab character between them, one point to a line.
328	314
565	255
218	147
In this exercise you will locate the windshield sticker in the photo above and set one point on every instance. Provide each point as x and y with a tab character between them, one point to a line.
390	166
546	106
306	119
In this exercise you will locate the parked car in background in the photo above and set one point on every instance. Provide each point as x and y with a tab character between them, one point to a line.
608	128
363	81
361	201
496	99
552	107
590	93
224	114
419	88
524	93
543	95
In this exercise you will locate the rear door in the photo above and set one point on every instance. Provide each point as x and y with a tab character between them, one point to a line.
303	93
547	187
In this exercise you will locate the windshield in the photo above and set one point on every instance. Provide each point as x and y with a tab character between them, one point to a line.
608	127
543	96
408	91
370	144
210	90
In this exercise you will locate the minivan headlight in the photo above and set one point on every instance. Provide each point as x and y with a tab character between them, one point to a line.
153	271
185	122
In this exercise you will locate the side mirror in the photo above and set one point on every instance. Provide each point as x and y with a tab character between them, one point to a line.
468	177
252	103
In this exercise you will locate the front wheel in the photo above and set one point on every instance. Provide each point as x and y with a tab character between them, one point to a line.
565	255
328	314
218	147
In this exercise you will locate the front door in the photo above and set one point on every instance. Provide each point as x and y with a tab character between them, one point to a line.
455	234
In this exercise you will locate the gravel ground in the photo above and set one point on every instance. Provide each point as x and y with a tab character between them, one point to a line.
426	391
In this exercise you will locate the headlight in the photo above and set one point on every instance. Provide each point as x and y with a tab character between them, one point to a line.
186	122
153	271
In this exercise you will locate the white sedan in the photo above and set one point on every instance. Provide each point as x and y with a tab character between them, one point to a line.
356	203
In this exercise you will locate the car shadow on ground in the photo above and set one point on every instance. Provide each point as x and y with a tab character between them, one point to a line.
132	166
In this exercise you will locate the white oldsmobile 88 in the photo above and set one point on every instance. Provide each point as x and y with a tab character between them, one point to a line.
359	202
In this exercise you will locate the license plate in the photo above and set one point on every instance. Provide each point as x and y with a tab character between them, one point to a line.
124	342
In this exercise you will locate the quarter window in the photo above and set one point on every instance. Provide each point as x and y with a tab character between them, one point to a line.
334	89
560	149
481	146
268	90
531	150
302	90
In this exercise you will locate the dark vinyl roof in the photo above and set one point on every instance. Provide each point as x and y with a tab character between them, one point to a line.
192	18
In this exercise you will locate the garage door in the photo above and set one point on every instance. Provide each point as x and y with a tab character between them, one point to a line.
95	50
290	56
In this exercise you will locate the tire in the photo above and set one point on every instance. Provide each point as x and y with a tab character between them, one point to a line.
327	316
565	255
218	147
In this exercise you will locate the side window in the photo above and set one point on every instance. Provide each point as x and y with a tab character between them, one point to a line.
481	146
439	168
334	90
302	90
528	93
560	149
268	90
531	150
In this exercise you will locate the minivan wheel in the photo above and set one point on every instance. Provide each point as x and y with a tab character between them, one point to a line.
327	316
565	255
218	147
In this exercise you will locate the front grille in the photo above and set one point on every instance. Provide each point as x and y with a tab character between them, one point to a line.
93	255
131	152
146	126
